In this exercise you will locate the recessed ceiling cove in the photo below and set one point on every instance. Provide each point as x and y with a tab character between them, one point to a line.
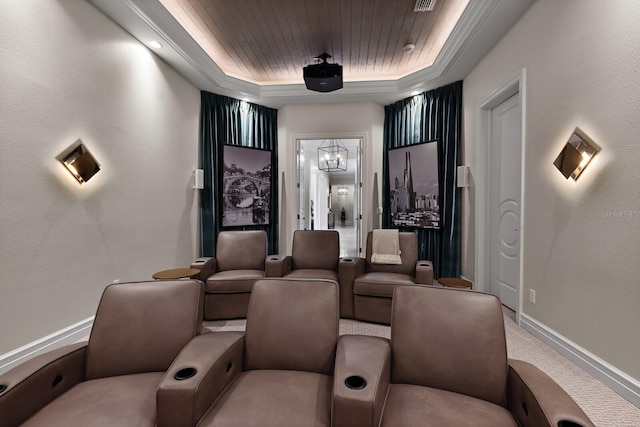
256	49
267	42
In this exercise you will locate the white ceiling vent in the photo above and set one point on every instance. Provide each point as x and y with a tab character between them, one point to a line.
424	5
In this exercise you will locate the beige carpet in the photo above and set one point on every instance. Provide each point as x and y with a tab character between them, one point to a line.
601	404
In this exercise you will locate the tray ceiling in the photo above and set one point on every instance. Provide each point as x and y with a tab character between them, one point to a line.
268	42
256	49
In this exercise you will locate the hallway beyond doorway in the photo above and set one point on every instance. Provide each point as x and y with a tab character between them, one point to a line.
347	240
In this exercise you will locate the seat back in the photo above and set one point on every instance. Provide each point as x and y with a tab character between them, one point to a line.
241	250
292	325
317	249
449	339
408	254
141	327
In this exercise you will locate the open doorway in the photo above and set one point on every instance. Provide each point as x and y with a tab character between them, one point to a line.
329	190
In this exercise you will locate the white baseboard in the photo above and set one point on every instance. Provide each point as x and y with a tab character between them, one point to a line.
612	377
55	340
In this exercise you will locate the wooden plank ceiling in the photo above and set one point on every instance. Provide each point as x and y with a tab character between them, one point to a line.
269	41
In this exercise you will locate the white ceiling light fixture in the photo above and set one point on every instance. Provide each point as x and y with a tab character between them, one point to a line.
408	48
155	45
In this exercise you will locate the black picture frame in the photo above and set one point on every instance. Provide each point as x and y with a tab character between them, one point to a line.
246	181
414	186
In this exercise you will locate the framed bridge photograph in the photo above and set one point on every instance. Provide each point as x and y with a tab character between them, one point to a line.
246	186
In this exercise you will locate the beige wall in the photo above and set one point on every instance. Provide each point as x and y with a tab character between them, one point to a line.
70	73
580	239
364	120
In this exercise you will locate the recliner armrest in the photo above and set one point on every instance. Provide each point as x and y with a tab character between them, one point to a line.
277	265
348	269
536	400
424	272
38	381
195	379
207	266
361	380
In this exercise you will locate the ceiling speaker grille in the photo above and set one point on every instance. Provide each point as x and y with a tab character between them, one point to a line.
424	5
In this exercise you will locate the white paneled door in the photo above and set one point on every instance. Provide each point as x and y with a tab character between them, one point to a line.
504	200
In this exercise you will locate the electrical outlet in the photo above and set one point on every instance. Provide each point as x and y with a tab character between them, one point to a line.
532	296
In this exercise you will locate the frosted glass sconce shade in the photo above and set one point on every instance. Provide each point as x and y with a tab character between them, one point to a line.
576	155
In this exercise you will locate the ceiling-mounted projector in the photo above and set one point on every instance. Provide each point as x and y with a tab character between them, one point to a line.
323	77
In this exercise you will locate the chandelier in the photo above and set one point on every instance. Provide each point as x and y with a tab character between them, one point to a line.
332	156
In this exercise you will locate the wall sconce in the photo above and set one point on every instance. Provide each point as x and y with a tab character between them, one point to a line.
80	163
576	155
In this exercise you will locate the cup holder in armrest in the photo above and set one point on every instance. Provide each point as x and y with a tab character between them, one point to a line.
185	373
347	259
273	258
2	388
57	380
355	382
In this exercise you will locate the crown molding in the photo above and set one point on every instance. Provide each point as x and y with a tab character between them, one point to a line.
481	25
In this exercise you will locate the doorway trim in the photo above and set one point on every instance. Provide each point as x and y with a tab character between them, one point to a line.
515	86
359	185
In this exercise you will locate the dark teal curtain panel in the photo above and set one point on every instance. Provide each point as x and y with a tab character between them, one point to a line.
225	120
433	115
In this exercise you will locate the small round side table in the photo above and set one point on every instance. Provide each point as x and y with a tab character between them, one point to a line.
454	282
177	273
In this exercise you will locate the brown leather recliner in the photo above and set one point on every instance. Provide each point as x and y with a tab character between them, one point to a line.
112	379
315	254
229	277
450	367
290	347
288	371
374	284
